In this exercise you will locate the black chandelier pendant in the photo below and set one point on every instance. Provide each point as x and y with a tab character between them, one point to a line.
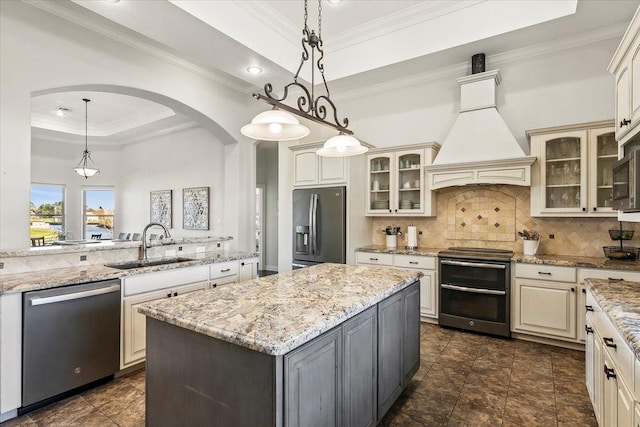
309	106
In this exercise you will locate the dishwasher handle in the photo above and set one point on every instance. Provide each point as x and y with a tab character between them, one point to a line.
75	295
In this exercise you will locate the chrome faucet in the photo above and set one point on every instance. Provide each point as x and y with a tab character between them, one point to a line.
144	237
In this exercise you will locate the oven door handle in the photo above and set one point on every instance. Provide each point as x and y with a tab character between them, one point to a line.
474	264
473	290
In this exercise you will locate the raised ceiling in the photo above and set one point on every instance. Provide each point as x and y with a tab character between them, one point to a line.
367	42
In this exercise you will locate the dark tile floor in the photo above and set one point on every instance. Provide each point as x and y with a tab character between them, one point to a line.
464	380
264	273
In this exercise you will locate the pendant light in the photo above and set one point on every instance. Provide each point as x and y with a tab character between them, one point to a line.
280	124
87	167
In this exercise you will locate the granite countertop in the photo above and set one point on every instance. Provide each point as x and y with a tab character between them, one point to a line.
560	260
103	245
44	279
278	313
382	249
620	300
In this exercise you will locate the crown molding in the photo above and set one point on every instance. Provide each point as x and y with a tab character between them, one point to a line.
394	22
271	18
459	70
161	132
58	9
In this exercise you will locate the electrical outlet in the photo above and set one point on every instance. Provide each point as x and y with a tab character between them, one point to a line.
1	265
83	257
217	245
552	236
179	248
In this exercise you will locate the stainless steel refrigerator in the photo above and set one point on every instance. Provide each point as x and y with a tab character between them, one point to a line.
319	226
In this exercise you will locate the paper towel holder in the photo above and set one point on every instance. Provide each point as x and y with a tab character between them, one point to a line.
411	236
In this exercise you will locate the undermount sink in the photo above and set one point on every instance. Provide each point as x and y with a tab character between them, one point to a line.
148	263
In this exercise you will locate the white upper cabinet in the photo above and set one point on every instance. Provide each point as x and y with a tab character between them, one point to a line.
625	64
573	175
396	182
310	169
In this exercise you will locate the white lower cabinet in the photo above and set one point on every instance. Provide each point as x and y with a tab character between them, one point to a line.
134	324
426	264
545	308
610	366
247	269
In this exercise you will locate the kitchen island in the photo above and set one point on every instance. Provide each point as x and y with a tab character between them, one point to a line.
331	344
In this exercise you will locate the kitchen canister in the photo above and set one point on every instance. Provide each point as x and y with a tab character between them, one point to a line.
412	237
530	247
392	241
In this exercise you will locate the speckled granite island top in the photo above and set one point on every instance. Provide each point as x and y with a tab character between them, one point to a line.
620	300
44	279
277	314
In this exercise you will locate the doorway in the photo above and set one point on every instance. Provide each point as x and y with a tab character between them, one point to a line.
267	207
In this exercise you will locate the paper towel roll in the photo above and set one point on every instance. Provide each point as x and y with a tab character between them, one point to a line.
412	237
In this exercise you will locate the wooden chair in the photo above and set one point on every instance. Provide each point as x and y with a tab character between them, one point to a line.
124	236
136	236
96	236
37	241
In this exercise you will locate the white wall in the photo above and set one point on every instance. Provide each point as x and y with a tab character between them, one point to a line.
52	162
572	86
267	175
39	51
191	158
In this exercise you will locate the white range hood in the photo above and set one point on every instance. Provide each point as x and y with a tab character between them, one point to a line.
480	149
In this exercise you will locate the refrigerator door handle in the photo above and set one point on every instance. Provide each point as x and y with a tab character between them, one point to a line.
311	240
314	235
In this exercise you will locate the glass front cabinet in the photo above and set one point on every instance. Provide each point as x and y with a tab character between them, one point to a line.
573	176
396	182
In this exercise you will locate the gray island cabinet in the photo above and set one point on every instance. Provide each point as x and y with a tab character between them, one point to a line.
329	345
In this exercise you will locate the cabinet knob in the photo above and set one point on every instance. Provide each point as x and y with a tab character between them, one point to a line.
584	291
573	289
585	209
175	294
169	295
625	122
215	285
595	209
588	329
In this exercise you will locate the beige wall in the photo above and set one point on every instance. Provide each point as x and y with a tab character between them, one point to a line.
572	236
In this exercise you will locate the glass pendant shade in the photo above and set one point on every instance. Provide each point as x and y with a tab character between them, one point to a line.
275	125
86	167
341	146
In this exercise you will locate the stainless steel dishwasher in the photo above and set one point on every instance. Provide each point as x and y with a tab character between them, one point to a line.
71	337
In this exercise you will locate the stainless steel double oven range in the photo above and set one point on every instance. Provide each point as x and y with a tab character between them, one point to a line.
475	290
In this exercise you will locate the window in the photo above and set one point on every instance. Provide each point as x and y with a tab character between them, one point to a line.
98	213
47	212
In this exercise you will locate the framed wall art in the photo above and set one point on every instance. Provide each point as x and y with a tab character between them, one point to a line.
161	202
195	208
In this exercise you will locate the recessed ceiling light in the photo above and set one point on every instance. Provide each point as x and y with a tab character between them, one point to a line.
254	69
61	111
334	1
113	1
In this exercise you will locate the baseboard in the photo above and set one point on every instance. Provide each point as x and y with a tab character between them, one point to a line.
548	341
129	370
8	415
428	320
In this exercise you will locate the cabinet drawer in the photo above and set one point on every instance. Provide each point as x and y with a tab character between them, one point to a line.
164	279
621	354
415	261
546	272
636	371
594	312
222	281
596	273
374	258
224	269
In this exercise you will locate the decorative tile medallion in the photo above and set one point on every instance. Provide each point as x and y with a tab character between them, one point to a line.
482	215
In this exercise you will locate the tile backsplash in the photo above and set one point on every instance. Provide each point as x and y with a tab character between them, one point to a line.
491	216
